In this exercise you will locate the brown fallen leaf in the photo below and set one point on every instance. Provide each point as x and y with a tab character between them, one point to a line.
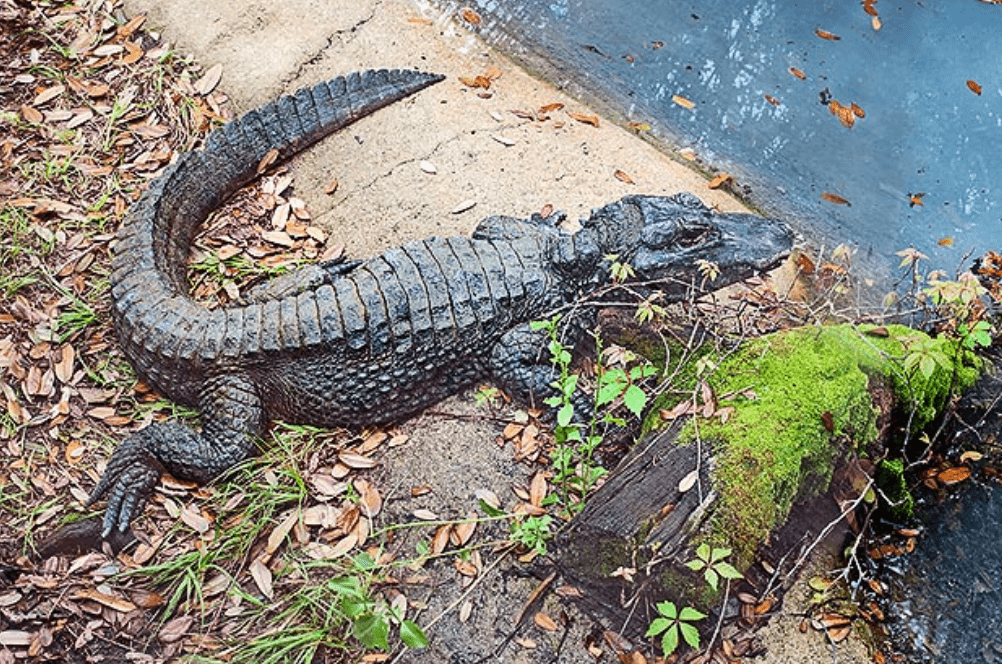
683	102
441	539
493	73
916	199
835	198
875	22
549	108
420	20
584	118
945	241
857	110
824	34
639	126
974	86
798	73
545	621
805	264
623	177
868	7
175	629
954	475
48	94
772	100
267	161
719	180
31	115
112	602
209	80
470	16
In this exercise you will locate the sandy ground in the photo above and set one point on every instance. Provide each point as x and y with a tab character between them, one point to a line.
482	153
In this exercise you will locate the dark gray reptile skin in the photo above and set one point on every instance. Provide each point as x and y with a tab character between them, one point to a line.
368	342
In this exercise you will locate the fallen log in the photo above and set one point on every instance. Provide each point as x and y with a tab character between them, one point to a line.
781	443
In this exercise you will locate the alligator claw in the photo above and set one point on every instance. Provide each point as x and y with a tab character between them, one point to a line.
128	481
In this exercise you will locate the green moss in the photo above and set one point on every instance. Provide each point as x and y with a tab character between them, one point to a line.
787	390
891	480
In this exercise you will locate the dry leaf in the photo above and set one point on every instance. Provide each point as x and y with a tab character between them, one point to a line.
470	16
639	126
208	82
369	496
278	535
262	578
428	167
175	629
356	461
537	489
623	177
875	22
48	94
332	187
857	110
719	180
584	118
772	100
549	108
112	602
441	539
493	73
916	199
420	20
835	198
798	73
267	161
954	475
462	532
824	34
683	102
868	7
31	115
945	241
688	481
545	621
974	86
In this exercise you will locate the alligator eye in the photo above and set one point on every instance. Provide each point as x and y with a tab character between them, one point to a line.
690	235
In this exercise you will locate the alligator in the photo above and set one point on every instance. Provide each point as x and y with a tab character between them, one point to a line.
360	343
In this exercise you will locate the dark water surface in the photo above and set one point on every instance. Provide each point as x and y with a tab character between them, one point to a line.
925	131
951	612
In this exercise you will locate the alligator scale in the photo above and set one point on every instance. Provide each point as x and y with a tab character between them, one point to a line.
349	344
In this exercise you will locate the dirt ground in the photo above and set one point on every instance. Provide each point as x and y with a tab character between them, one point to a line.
435	165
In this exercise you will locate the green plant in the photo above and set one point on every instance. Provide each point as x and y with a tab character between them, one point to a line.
673	622
712	562
532	532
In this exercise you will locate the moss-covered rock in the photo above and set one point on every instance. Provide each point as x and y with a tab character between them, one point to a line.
800	398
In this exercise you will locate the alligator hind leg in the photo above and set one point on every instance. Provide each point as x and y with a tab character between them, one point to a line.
520	363
233	419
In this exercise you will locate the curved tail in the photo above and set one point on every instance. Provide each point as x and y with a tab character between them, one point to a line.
169	338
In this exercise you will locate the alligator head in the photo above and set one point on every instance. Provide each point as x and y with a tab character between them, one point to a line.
663	237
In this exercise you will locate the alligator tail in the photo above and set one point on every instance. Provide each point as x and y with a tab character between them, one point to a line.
171	340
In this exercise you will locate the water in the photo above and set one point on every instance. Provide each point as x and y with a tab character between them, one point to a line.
925	131
949	611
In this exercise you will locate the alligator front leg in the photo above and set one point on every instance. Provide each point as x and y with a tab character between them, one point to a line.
233	418
521	365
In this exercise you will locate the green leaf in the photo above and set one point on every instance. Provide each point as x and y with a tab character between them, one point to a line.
720	554
565	414
711	578
690	634
667	609
412	635
635	399
695	565
703	551
669	642
690	614
658	625
927	366
489	509
728	571
372	631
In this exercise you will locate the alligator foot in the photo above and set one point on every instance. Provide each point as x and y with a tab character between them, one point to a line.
128	482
